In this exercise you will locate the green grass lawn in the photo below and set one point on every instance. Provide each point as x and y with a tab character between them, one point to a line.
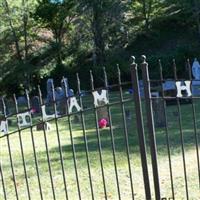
107	156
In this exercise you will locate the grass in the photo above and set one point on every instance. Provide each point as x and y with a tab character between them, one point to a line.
107	156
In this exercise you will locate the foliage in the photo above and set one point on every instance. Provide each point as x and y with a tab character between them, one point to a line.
43	38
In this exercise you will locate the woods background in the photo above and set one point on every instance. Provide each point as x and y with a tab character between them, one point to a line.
48	38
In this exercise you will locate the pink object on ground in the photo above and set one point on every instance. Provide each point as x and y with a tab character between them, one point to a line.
103	123
33	110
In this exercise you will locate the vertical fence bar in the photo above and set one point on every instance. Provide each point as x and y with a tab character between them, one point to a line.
1	170
12	167
34	147
10	154
22	149
166	128
71	138
58	140
140	128
84	135
194	122
150	124
3	183
98	139
181	133
125	131
46	146
112	135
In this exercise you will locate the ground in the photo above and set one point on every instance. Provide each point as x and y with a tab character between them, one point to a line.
107	156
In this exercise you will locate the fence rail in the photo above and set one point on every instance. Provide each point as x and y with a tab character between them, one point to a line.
118	127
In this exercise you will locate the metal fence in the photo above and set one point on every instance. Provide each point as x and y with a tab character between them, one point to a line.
147	108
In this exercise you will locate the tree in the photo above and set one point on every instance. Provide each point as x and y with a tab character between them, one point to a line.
196	9
10	22
16	35
191	8
144	11
57	17
101	14
25	24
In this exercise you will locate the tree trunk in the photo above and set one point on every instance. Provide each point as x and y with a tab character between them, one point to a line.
197	15
60	35
198	26
13	30
58	38
25	23
97	27
144	6
147	9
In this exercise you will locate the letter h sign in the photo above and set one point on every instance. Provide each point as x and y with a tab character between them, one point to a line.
186	87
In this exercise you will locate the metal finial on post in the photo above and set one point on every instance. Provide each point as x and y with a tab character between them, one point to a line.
161	70
27	94
40	95
119	74
4	107
91	80
143	57
189	69
133	59
77	78
175	69
105	77
118	69
5	115
91	76
28	98
65	84
160	63
133	64
16	103
15	98
78	83
53	91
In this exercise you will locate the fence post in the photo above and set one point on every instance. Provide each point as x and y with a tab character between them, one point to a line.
150	124
140	127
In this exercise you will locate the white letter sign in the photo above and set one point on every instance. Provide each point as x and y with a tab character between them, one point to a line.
4	127
185	87
45	116
100	97
73	103
24	119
